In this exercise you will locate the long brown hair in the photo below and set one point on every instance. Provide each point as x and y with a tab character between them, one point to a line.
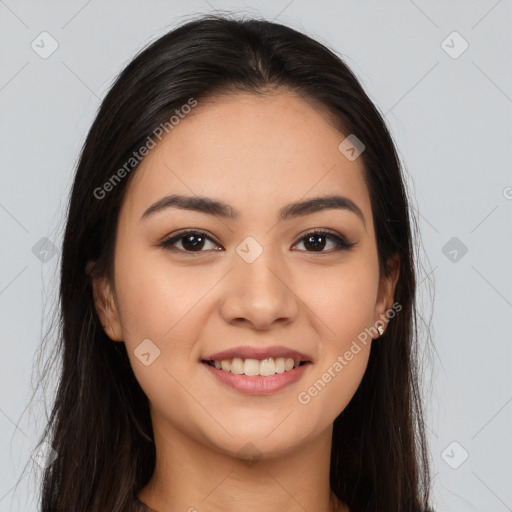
100	425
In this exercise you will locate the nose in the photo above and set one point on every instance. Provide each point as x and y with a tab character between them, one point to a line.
259	294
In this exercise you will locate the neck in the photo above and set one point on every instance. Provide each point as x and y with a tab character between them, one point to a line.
193	477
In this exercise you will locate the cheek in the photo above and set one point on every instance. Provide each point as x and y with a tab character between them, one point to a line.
334	382
343	301
160	303
168	304
154	296
328	392
343	307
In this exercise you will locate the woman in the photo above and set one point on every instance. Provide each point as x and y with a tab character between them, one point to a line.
237	289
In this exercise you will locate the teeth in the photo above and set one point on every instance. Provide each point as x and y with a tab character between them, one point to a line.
253	367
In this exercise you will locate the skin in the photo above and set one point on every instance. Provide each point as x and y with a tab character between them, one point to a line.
256	153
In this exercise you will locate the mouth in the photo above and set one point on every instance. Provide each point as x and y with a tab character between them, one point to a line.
256	367
257	377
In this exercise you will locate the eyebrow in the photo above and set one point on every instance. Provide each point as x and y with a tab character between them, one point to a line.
292	210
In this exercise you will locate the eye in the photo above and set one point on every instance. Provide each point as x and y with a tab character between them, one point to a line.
191	241
317	241
194	241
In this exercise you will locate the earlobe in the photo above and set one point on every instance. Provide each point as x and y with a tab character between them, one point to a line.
105	305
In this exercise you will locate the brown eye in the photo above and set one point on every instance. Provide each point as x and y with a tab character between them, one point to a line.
317	241
191	241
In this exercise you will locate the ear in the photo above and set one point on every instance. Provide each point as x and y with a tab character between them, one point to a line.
105	304
386	292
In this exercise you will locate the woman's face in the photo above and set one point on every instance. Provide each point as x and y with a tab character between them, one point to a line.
253	279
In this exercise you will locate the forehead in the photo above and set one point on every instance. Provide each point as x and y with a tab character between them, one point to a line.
251	151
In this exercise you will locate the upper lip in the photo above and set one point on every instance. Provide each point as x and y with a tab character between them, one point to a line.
248	352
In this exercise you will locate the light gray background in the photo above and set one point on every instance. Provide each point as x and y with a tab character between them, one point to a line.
450	118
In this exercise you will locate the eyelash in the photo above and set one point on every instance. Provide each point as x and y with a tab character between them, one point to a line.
342	244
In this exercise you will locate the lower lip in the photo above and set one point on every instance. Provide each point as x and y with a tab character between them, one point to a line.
258	385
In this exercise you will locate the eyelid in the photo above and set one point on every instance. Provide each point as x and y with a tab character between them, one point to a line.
186	231
321	231
169	240
342	242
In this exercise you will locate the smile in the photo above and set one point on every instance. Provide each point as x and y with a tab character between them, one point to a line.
257	377
253	367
